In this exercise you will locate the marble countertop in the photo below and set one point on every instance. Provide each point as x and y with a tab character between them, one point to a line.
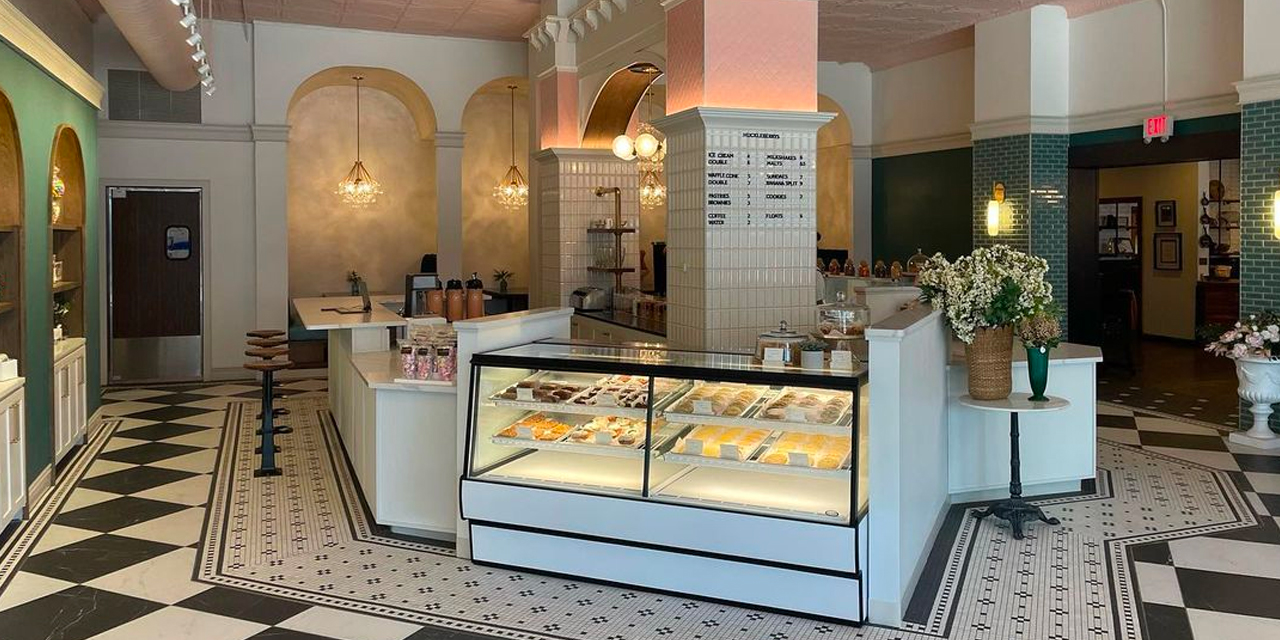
381	368
64	347
627	320
11	385
310	312
1065	353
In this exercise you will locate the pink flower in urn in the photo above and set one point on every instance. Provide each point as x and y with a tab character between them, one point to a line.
1254	340
1240	350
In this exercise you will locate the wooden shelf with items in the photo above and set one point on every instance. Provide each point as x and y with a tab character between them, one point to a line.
67	198
617	231
11	240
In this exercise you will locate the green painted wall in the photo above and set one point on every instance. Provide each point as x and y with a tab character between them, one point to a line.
41	104
922	201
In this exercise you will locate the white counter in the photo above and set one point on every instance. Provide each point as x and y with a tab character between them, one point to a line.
311	313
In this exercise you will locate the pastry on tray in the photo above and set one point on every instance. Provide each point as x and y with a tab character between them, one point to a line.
631	392
713	438
611	430
540	428
805	406
542	391
726	400
820	451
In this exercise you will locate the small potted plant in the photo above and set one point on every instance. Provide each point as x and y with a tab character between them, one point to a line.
1040	333
813	354
502	278
1254	344
60	312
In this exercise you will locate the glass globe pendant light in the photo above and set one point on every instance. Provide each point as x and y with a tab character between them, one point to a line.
512	192
358	189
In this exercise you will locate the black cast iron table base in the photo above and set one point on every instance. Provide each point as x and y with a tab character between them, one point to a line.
1015	510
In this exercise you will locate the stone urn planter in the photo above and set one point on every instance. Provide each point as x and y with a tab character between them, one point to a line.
1259	385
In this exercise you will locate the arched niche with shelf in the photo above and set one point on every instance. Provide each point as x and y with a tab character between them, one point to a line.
66	229
11	249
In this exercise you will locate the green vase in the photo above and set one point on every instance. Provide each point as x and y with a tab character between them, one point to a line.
1038	371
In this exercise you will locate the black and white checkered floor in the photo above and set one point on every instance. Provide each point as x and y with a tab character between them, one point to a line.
117	555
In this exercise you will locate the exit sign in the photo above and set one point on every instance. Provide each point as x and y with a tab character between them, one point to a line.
1160	126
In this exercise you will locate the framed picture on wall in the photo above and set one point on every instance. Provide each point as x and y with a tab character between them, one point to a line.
1166	213
1168	252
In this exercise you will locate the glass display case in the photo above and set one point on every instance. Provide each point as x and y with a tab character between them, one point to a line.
659	456
707	429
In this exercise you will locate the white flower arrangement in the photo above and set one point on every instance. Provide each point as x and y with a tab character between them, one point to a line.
991	287
1257	336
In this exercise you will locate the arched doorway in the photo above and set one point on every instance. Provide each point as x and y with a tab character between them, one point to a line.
382	241
494	237
835	178
11	219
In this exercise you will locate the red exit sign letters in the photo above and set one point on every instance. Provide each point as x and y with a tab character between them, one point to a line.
1160	126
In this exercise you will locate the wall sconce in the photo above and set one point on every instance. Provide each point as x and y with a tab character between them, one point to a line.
993	209
1275	214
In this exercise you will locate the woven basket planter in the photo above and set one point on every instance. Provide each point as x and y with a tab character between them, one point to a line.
990	360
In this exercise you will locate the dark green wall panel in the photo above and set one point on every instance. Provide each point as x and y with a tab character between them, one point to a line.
922	201
41	104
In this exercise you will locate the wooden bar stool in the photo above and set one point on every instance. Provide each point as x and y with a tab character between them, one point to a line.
267	354
264	333
267	368
267	342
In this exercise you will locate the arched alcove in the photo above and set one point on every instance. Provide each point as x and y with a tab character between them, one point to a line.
494	237
835	178
615	103
11	214
382	241
66	230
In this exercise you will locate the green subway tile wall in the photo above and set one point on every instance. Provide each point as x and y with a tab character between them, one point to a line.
918	201
41	104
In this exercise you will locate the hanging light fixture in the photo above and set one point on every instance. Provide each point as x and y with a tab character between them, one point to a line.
358	188
646	144
649	151
512	192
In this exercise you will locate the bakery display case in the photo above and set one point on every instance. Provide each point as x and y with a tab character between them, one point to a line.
639	453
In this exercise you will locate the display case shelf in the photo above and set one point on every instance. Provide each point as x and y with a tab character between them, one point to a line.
755	466
6	307
66	234
64	286
12	252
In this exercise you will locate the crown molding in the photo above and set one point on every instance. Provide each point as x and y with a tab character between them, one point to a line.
137	130
922	145
860	152
729	117
574	153
1019	125
450	139
1260	89
1134	116
269	132
30	41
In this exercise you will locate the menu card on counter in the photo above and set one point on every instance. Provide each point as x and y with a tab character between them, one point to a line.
757	187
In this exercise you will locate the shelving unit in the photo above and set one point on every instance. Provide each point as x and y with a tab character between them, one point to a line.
66	235
11	242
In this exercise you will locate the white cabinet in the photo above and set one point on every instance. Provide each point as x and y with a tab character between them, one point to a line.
596	330
13	468
70	403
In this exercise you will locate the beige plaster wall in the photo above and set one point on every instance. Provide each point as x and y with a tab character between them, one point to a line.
1168	297
835	179
494	237
383	241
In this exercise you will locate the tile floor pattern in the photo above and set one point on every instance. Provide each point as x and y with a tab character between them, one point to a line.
115	554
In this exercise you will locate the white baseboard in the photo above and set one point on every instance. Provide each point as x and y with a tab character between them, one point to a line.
39	487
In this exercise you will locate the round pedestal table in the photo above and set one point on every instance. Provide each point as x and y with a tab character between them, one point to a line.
1015	510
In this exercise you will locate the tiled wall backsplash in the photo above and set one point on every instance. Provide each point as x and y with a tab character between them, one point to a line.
741	224
567	205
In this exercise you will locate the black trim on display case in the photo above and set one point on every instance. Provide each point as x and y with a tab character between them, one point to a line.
862	604
634	544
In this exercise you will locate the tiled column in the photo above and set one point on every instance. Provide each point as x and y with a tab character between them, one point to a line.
567	204
741	224
1259	166
742	148
1020	108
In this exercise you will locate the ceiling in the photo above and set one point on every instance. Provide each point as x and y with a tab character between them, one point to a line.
882	32
879	32
489	19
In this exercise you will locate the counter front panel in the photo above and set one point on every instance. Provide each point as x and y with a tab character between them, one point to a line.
683	452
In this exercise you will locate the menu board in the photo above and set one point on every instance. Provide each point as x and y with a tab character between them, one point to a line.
749	187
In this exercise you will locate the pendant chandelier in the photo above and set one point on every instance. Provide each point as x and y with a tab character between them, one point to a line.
512	192
358	189
649	151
